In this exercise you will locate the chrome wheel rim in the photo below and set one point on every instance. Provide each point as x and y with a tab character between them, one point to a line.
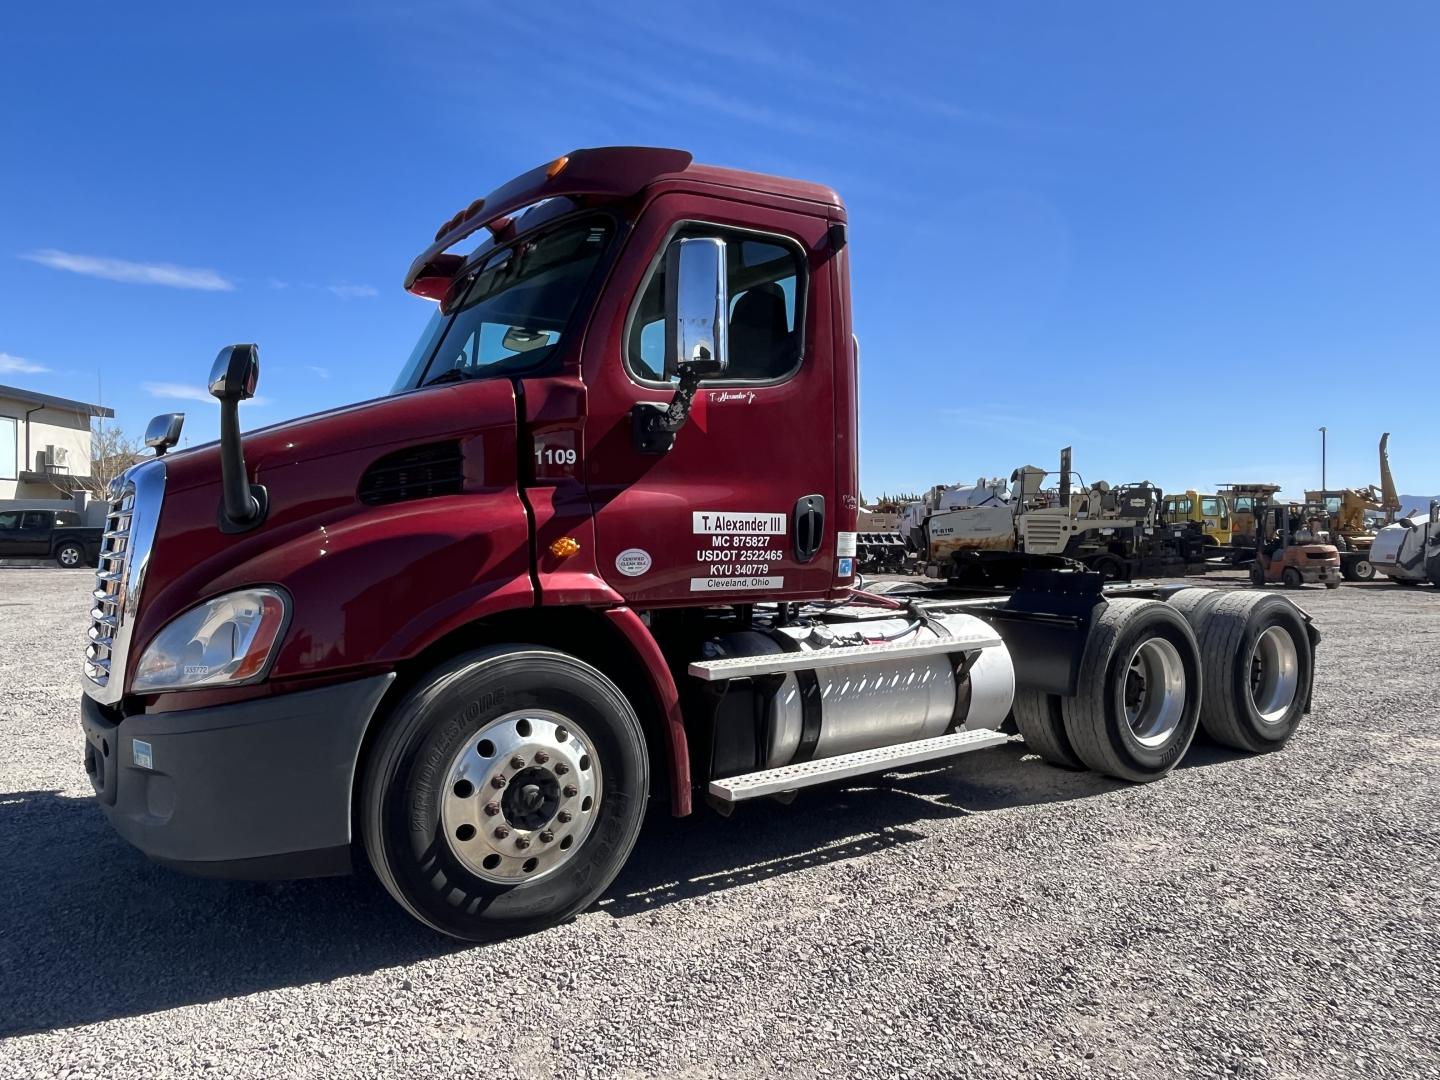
1363	569
1153	691
521	796
1274	675
69	557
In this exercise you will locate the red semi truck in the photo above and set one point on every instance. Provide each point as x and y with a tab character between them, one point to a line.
595	548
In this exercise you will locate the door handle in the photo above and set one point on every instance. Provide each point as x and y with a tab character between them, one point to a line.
809	532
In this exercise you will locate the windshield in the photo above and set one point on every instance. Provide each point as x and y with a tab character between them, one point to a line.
513	311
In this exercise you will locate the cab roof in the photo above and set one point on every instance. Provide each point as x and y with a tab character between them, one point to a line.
608	172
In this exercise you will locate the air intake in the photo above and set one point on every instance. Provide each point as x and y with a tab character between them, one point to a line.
417	472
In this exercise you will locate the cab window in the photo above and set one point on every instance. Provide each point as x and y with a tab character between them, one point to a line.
1182	505
35	521
1210	506
766	276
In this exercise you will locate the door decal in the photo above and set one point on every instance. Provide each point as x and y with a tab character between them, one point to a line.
738	549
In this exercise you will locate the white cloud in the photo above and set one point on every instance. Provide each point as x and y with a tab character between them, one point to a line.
135	273
187	392
351	292
18	365
276	283
317	371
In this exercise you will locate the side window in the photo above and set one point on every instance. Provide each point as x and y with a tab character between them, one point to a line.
1182	505
9	521
35	521
767	298
1210	506
66	518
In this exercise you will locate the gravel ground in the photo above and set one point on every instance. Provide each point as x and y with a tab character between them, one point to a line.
1258	917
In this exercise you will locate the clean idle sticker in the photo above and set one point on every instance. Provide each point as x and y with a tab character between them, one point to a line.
632	562
737	550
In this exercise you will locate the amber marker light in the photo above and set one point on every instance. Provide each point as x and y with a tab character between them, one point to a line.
556	167
565	547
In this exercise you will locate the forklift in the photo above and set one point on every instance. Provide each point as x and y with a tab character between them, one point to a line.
1286	551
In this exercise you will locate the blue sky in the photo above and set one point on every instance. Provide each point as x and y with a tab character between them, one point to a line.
1179	239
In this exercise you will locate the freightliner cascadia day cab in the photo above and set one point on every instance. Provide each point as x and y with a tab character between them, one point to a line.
596	548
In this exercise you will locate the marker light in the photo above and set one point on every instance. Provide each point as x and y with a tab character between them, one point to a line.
556	167
224	641
564	547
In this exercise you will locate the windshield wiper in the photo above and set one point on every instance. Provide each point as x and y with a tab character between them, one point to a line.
455	374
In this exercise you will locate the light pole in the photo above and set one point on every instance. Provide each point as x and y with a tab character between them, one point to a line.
1324	487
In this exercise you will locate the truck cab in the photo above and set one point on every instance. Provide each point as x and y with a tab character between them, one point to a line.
595	548
1211	512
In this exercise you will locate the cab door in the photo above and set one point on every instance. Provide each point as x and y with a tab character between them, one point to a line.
35	529
742	507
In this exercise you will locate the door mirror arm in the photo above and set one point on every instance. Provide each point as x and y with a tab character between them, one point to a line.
654	426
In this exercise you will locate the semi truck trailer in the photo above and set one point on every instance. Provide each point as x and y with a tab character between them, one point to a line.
596	549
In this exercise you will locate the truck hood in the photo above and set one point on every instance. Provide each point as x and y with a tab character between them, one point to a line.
424	415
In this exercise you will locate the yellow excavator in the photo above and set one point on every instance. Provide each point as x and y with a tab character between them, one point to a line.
1343	513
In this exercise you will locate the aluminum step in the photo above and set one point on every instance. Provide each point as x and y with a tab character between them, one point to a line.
745	667
809	773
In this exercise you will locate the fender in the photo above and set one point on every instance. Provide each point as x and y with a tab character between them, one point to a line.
667	697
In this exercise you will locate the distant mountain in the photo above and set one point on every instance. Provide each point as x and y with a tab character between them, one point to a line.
1416	505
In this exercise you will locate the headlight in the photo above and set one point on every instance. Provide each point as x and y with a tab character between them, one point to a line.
226	640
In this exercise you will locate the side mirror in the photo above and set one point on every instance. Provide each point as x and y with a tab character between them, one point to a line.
235	373
232	379
163	431
697	308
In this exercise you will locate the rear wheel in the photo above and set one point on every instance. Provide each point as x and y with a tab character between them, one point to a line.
1138	703
1109	567
1362	570
1042	724
1292	577
1258	670
1257	574
70	555
505	792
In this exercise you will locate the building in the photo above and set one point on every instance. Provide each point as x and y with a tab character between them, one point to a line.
45	444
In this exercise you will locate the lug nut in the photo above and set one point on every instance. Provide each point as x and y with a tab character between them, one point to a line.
561	769
522	842
501	833
541	757
571	791
546	836
492	808
564	817
497	781
517	762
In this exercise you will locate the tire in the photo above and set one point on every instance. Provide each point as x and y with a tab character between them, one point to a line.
1039	717
1291	578
1234	710
1103	734
1109	567
1195	603
1257	574
70	555
428	801
1332	584
1362	570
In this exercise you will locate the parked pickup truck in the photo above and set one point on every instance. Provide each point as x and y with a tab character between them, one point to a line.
57	534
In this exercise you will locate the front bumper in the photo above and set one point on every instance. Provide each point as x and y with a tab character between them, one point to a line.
1320	574
259	789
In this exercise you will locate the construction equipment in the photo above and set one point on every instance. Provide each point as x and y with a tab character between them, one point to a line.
1212	512
988	533
1288	553
1349	516
1408	551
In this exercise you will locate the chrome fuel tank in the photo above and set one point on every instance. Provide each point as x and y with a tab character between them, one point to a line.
867	704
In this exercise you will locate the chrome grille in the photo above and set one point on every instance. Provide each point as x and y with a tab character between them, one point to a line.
124	551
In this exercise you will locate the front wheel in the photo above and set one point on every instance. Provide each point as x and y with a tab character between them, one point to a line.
1362	570
1257	574
1292	578
505	792
70	555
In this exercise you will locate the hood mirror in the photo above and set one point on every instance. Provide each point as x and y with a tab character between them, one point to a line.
163	432
235	373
